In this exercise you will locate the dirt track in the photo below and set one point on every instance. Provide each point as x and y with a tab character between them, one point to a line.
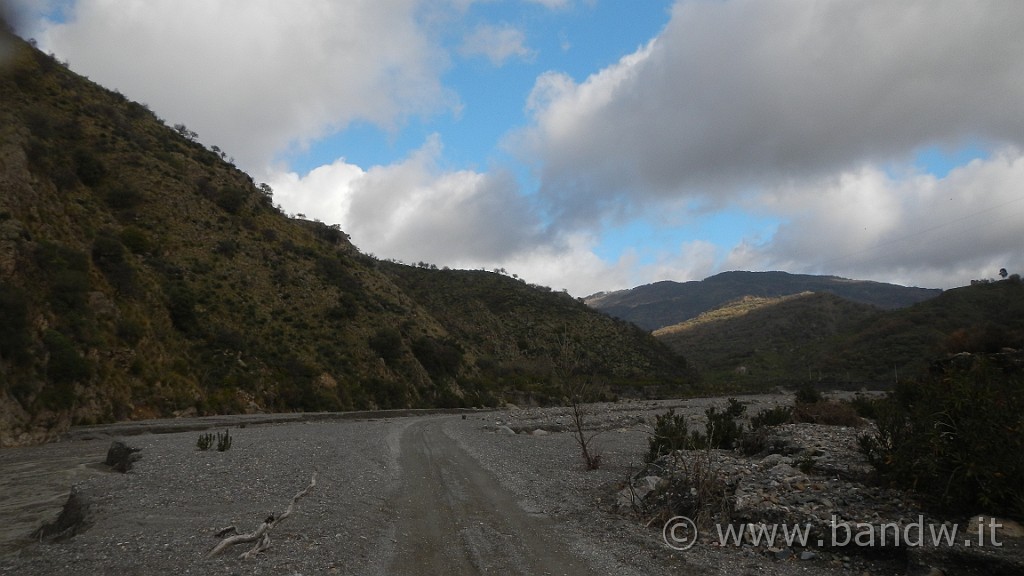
395	496
420	494
453	517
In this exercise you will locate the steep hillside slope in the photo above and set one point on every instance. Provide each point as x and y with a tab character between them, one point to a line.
143	275
521	331
666	303
754	343
983	318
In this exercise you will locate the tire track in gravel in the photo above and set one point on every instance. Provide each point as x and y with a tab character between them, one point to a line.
453	517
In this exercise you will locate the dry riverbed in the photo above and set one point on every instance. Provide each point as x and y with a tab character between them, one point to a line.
416	494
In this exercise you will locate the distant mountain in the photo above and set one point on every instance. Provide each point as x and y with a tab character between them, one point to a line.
143	275
661	304
754	343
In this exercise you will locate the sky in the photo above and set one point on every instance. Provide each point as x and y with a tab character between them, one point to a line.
596	145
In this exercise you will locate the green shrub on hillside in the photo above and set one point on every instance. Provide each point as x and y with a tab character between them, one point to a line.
440	358
108	254
387	343
957	438
64	368
14	337
123	197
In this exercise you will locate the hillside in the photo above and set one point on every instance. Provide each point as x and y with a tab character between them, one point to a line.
511	327
143	275
666	303
755	343
983	317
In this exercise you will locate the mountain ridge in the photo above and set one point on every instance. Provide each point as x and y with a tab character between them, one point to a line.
755	343
664	303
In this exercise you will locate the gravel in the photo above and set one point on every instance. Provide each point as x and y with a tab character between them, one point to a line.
161	516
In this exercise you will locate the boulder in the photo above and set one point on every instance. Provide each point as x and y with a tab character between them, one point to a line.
75	517
120	456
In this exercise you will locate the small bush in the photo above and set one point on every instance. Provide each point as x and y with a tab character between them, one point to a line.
224	441
723	429
123	197
88	168
440	358
109	256
227	248
697	489
808	394
772	417
16	336
670	434
136	241
866	406
231	200
64	368
205	441
130	330
387	343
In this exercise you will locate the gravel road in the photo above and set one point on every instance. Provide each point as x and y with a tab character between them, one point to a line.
436	494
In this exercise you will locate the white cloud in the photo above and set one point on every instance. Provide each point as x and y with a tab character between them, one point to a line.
796	111
496	43
255	76
552	4
414	211
325	193
917	229
741	94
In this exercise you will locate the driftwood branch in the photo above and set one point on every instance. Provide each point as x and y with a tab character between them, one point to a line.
261	535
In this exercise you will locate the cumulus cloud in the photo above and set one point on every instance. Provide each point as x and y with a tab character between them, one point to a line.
741	94
919	229
415	211
255	76
807	114
496	43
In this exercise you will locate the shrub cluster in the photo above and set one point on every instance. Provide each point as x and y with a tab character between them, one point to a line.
956	437
723	429
772	417
208	440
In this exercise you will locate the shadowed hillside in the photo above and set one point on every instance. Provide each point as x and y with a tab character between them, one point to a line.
142	275
512	328
755	343
666	303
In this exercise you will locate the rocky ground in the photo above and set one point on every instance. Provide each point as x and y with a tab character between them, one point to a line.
501	491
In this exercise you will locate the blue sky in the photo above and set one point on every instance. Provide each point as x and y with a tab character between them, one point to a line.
594	145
